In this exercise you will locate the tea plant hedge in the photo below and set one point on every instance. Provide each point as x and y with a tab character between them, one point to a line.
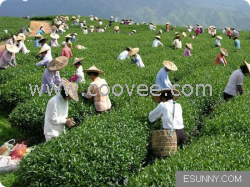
112	149
13	25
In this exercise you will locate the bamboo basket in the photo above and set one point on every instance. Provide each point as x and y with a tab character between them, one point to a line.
163	144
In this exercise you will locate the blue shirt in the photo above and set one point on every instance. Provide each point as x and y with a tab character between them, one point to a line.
73	39
237	43
37	44
40	32
162	79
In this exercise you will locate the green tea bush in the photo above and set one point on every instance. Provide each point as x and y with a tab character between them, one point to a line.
210	153
13	25
111	149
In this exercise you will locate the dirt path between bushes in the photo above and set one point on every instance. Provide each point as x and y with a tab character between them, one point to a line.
35	26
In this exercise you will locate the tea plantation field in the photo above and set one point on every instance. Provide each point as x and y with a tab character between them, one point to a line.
113	149
13	25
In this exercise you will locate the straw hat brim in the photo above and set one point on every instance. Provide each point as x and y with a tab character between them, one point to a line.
43	50
77	60
71	89
116	28
12	48
158	37
54	36
219	37
133	51
248	66
58	63
224	51
170	66
93	69
68	36
157	99
38	36
190	46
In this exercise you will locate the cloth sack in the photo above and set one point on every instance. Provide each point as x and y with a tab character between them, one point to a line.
7	165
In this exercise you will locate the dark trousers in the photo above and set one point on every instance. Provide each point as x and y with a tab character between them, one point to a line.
227	96
181	137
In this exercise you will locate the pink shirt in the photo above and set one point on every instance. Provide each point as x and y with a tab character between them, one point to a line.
187	52
66	51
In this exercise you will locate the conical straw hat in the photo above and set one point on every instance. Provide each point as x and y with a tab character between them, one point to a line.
224	51
170	66
58	63
189	45
116	28
76	60
71	89
54	36
93	69
12	48
248	66
133	51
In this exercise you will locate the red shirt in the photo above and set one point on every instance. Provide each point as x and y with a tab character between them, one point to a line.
66	51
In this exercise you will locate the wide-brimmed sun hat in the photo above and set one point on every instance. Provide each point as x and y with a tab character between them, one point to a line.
184	34
170	66
71	89
91	26
76	60
167	23
134	31
54	36
116	28
68	36
12	48
158	37
44	49
58	63
79	47
93	69
176	33
248	66
189	45
157	99
219	37
133	51
224	51
22	36
38	36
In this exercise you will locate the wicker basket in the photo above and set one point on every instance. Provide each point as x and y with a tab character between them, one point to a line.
163	144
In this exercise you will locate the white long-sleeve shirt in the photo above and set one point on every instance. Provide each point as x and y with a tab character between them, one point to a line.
177	44
45	61
80	74
164	110
85	31
54	43
138	61
47	47
157	43
6	59
217	42
123	55
55	116
23	48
